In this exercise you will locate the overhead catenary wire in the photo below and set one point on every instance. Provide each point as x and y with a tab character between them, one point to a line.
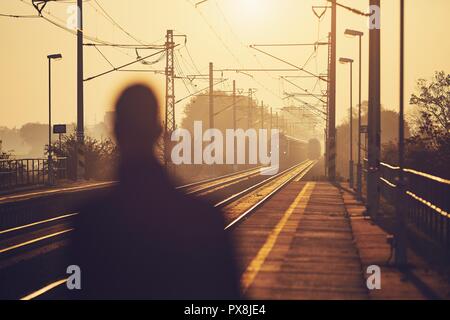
18	16
96	41
125	46
304	90
231	105
238	38
228	49
192	60
109	17
75	29
104	57
254	56
123	66
180	71
291	64
199	91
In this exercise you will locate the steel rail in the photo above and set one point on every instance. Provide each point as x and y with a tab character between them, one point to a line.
250	172
246	213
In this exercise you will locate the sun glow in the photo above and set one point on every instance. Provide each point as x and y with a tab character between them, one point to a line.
248	13
253	7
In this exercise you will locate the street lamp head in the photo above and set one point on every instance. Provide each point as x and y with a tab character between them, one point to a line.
345	60
56	56
353	33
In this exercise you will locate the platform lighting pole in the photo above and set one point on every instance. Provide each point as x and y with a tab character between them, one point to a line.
350	162
50	57
358	34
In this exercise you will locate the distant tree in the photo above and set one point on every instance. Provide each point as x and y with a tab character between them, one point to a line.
389	138
433	103
13	142
36	136
429	148
198	110
5	155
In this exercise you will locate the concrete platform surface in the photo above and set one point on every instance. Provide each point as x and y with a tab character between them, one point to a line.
311	241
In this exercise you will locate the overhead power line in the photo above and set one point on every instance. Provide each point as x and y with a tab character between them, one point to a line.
18	16
228	48
125	46
291	64
124	65
109	17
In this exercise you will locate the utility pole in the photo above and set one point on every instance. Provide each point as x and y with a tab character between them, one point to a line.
234	104
350	173
401	258
271	122
250	102
211	95
276	121
331	150
81	165
235	166
170	96
373	175
49	150
262	114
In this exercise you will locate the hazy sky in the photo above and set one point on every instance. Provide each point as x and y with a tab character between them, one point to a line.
218	31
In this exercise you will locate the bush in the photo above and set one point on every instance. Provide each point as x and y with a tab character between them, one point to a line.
101	157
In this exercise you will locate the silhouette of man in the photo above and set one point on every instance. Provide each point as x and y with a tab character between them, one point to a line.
144	239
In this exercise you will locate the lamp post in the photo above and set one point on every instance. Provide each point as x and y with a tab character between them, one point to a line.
56	56
359	34
350	171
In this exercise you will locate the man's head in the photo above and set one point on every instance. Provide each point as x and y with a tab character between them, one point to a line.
137	122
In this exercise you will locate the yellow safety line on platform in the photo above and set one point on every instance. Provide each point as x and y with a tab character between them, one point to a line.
255	265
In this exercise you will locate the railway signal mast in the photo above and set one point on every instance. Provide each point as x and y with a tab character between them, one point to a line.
169	121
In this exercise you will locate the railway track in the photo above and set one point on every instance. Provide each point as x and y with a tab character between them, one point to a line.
41	236
11	238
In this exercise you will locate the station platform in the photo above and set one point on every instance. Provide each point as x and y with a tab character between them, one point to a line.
312	241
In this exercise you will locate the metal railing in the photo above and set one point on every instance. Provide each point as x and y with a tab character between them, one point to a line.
27	172
426	200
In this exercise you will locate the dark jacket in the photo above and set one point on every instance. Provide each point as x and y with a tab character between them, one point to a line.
146	240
